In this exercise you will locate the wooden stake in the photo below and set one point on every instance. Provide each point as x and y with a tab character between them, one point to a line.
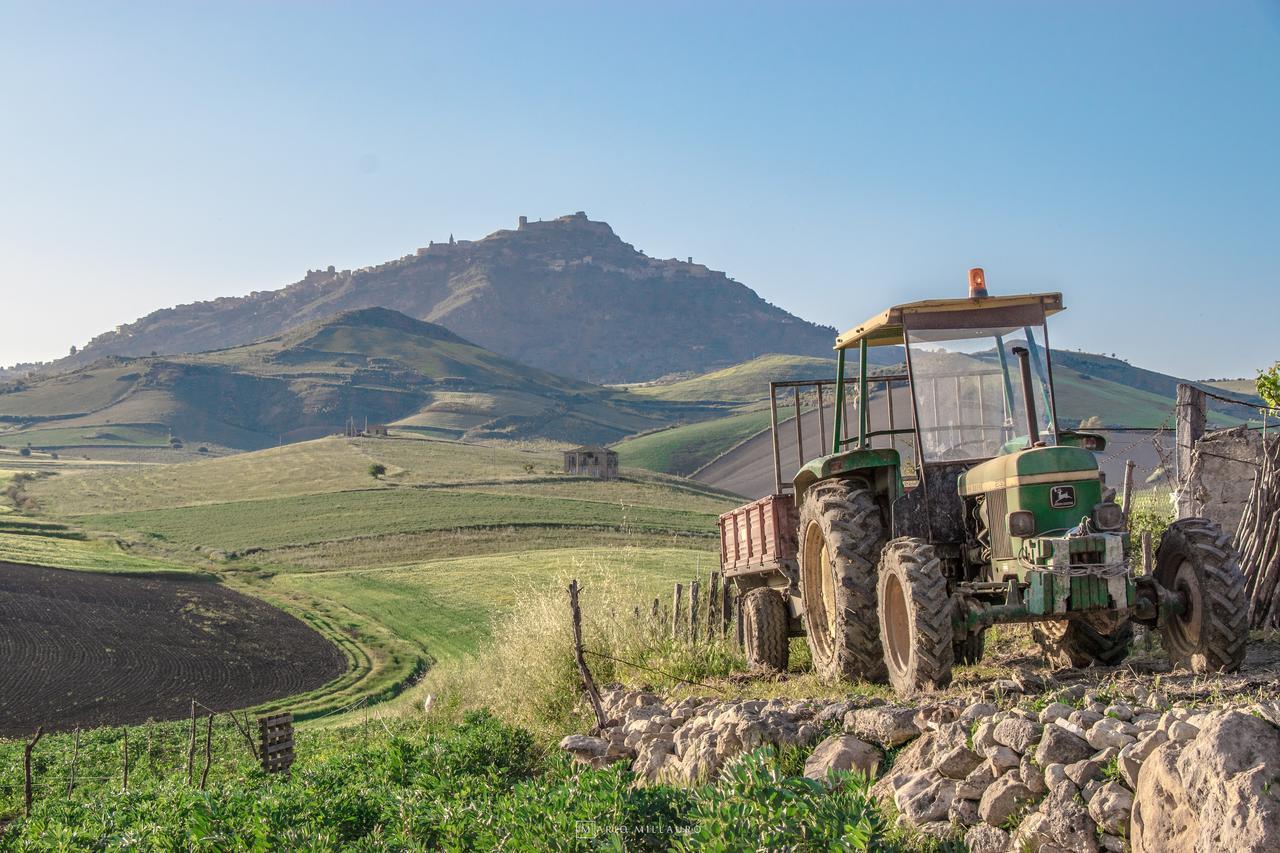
653	614
1128	489
726	608
26	769
713	603
1190	413
588	682
75	757
693	612
208	752
191	747
675	610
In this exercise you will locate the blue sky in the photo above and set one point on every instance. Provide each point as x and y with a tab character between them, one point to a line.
835	157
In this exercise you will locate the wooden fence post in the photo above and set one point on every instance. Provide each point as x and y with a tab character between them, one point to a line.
191	747
713	604
208	752
26	769
1190	412
1128	489
693	612
726	608
587	680
75	757
675	610
653	614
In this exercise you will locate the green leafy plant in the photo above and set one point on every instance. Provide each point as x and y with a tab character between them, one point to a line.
1268	385
377	469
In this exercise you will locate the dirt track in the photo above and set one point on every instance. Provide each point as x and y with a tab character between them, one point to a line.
79	649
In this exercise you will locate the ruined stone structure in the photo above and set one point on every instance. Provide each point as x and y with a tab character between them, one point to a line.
1223	466
599	462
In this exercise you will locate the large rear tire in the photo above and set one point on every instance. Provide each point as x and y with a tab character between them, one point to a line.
1196	559
915	617
764	629
841	534
1076	643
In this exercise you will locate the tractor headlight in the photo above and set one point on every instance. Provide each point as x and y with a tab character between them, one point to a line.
1022	524
1108	516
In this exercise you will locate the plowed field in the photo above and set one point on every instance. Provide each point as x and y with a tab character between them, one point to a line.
80	649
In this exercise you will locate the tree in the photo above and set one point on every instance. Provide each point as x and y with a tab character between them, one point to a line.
377	469
1269	385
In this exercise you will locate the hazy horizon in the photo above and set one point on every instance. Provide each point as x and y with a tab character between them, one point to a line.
835	158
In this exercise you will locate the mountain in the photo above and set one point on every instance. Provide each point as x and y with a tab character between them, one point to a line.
373	363
568	296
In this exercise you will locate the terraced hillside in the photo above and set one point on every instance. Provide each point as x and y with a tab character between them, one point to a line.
401	569
369	366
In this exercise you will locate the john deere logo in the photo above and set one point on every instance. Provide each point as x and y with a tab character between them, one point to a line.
1061	497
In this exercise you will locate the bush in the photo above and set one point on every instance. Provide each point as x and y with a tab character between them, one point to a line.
26	451
1150	512
377	469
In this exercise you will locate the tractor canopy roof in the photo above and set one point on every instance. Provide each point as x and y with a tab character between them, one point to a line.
885	328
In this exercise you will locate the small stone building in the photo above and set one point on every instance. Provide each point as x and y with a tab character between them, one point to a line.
599	462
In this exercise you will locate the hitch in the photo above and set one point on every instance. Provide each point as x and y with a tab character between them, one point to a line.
1156	604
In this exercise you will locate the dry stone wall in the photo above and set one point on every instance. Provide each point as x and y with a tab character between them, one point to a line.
1073	770
1222	471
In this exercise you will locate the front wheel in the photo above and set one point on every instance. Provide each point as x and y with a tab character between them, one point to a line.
1196	560
915	617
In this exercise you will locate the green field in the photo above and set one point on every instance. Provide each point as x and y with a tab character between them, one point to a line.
404	570
743	383
684	449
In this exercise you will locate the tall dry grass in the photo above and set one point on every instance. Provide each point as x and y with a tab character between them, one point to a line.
526	673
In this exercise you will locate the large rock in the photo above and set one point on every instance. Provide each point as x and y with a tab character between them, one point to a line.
1109	732
986	839
917	756
1217	791
1007	796
957	762
1110	806
584	748
1017	733
1061	822
886	725
925	797
842	752
1059	746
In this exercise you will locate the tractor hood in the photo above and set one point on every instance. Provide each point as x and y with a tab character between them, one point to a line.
1028	467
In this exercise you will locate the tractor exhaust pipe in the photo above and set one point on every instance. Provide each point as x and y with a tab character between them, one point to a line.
1028	396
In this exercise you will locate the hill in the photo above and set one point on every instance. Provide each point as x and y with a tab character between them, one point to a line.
372	364
567	296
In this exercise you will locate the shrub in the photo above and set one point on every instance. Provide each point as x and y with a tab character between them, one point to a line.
377	469
26	451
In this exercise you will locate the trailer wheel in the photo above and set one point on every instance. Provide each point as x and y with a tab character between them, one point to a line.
915	616
969	647
764	629
1076	643
841	534
1196	559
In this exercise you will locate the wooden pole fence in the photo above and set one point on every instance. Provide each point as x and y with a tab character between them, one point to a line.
26	769
587	681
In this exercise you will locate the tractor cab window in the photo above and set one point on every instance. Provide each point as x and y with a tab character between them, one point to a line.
969	392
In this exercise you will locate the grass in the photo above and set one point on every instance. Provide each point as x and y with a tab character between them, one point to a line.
743	383
684	449
101	435
273	522
41	548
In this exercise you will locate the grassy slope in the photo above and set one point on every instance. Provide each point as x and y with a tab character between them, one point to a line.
743	383
401	571
684	449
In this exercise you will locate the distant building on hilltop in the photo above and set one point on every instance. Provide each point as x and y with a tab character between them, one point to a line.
586	461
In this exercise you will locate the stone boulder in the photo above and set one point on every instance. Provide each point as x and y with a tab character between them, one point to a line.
1216	791
886	725
842	752
1006	797
1060	746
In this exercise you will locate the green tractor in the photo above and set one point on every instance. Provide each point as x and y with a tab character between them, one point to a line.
893	553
